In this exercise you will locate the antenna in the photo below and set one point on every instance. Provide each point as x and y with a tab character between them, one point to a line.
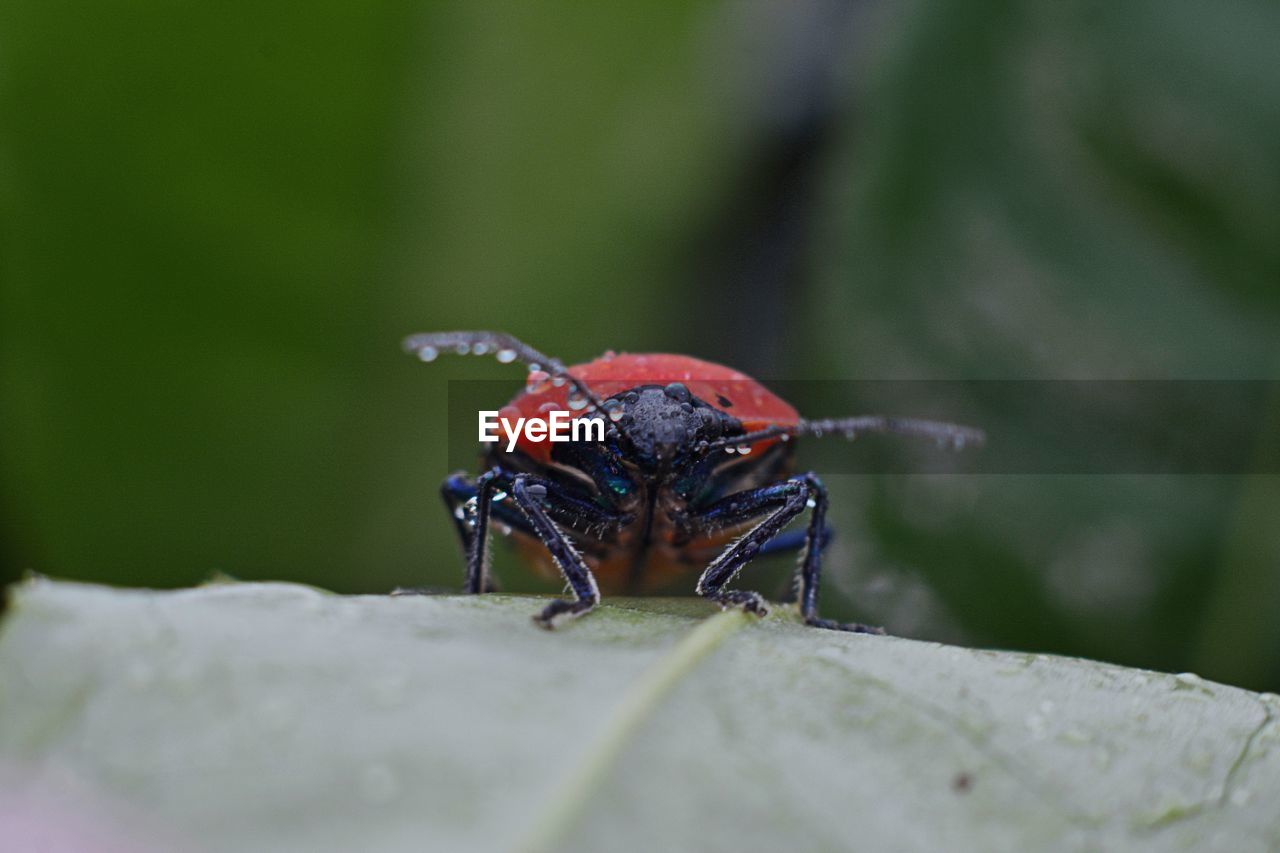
505	348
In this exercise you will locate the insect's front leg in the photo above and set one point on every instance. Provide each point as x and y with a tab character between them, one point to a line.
539	504
779	504
471	505
536	498
810	573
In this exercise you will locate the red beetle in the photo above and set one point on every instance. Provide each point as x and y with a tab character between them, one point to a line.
695	471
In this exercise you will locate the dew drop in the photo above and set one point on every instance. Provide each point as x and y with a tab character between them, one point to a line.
730	450
811	503
537	382
744	449
577	400
427	353
505	356
559	380
1188	678
1189	681
462	349
613	408
481	348
499	496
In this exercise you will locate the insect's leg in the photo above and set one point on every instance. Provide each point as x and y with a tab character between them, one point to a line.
461	495
787	543
529	495
783	502
456	490
792	540
478	553
811	563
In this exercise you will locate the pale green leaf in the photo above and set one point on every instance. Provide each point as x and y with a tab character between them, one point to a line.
272	717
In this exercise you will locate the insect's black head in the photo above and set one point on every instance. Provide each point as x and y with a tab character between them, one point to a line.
661	428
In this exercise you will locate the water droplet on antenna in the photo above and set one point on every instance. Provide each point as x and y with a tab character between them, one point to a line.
537	382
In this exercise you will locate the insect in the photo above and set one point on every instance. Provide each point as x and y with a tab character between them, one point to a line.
695	472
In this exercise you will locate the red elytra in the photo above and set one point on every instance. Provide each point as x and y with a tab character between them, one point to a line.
732	391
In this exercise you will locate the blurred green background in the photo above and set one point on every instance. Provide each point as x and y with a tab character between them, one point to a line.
219	220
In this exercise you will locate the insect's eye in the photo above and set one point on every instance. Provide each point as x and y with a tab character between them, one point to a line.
620	485
613	478
617	485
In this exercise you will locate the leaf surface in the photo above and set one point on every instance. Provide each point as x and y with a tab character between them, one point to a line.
276	717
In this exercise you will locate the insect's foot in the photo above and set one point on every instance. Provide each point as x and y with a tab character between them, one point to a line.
560	611
749	602
851	627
